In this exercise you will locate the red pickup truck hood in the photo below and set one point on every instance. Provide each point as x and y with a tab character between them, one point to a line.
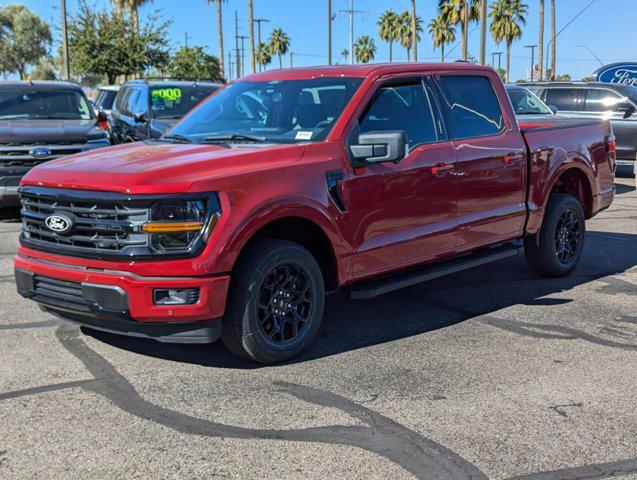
157	168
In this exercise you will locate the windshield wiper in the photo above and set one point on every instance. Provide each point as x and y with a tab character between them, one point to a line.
235	137
176	137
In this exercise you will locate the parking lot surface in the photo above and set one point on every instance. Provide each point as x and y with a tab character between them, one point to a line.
492	373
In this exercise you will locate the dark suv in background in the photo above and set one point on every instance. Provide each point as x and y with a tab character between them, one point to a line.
145	109
40	121
615	102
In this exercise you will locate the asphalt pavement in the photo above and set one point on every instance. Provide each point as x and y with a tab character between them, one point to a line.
491	373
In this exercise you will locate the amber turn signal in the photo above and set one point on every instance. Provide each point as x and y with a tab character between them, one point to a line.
170	227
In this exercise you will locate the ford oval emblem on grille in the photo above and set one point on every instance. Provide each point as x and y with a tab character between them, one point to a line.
40	152
59	223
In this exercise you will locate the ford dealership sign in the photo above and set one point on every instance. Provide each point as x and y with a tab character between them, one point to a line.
625	73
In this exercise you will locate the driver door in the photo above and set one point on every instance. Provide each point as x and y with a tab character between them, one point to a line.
402	213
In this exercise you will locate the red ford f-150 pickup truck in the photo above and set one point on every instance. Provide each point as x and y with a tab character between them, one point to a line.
289	184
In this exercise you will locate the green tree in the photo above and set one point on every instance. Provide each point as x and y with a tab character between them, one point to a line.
107	44
452	11
442	34
44	69
345	55
564	77
364	49
24	38
264	55
389	29
193	62
279	44
131	7
405	35
507	19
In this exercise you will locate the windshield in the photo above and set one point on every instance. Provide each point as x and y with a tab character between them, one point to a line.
281	111
526	103
44	104
176	101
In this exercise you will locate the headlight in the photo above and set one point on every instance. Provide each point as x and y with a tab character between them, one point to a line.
176	226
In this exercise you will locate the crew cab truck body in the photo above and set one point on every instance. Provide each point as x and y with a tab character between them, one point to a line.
292	183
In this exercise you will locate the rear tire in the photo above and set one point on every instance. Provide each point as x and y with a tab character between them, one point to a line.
276	302
557	248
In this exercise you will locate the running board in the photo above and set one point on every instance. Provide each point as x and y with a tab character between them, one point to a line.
372	288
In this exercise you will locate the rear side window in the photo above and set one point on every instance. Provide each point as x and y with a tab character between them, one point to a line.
105	99
404	107
602	100
120	100
471	107
566	99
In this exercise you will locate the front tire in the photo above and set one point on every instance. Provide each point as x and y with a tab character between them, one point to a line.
276	302
556	250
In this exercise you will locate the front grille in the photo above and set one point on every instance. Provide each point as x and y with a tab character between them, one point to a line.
103	223
60	293
19	156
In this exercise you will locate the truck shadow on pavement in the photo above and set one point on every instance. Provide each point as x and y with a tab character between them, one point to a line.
350	325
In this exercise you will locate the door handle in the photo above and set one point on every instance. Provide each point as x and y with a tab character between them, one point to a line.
442	167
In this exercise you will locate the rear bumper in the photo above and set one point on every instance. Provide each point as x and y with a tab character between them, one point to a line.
603	200
122	302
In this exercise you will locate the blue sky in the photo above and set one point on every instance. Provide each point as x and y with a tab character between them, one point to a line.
607	28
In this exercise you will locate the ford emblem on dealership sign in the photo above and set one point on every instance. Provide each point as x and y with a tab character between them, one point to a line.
40	152
58	223
624	73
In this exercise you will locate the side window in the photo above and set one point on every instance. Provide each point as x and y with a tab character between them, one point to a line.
131	101
401	107
141	105
566	99
120	100
602	100
471	107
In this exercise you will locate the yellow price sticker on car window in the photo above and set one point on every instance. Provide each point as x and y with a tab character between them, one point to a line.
170	94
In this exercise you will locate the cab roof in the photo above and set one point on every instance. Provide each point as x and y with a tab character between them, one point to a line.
48	85
360	70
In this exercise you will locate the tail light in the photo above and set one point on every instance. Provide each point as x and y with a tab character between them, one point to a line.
103	125
611	150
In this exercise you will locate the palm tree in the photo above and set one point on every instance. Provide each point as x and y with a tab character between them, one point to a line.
345	55
264	55
130	6
442	33
507	18
389	29
553	57
540	42
279	44
452	11
364	49
220	31
414	29
406	36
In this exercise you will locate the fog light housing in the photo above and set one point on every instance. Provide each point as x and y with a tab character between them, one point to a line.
175	296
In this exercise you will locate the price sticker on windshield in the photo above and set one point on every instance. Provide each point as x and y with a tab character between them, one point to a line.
169	94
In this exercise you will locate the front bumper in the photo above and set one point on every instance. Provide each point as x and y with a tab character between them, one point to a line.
9	190
122	302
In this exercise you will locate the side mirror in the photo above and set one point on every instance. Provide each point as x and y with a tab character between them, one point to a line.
378	147
140	117
553	109
627	109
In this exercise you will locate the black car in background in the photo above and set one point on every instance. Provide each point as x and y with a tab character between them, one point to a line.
104	100
40	121
614	102
145	109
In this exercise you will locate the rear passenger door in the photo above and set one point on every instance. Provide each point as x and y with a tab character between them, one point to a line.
569	102
490	160
402	213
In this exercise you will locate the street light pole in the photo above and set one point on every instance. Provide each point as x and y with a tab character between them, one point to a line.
591	52
65	43
532	47
329	32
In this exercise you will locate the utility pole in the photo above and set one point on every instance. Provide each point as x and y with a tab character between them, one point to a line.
243	52
186	37
465	37
499	54
540	56
251	21
492	59
236	42
532	47
483	32
65	43
351	12
291	59
329	32
229	65
258	21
